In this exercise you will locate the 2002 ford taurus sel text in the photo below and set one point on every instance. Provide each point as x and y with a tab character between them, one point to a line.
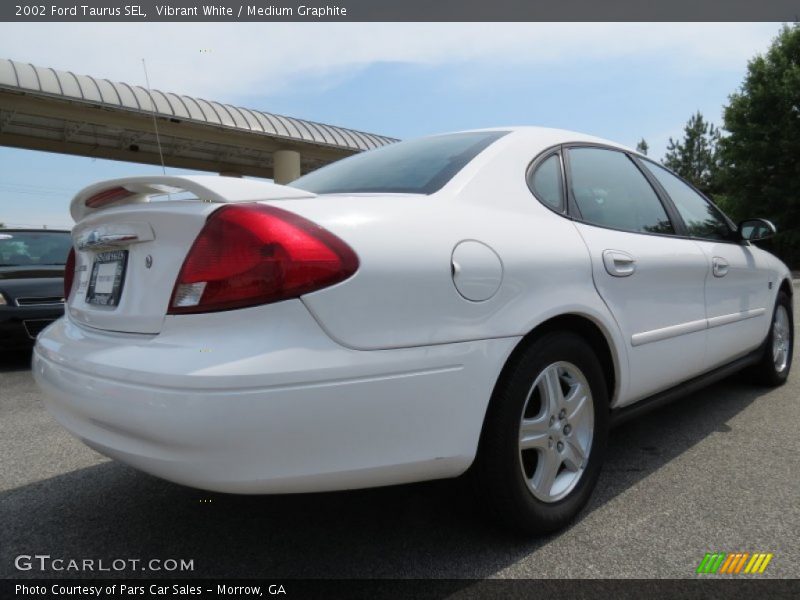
487	301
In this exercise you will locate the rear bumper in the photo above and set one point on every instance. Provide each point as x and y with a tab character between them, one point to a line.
262	401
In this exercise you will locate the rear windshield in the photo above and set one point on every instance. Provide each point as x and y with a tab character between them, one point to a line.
419	166
21	248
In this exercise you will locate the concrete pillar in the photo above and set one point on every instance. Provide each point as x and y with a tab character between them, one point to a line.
286	164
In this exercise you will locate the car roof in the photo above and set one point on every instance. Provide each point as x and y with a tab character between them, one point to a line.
555	135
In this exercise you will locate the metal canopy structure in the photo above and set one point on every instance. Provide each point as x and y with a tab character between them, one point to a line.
58	111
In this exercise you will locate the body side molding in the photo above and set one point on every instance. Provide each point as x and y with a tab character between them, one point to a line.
664	333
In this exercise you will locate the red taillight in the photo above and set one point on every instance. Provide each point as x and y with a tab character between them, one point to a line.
69	273
107	197
254	254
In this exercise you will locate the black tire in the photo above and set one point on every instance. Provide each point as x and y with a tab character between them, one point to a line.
765	372
498	471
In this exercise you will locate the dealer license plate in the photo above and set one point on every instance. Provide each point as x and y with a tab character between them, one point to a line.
108	275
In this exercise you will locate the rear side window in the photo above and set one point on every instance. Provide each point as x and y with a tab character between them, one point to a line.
420	166
702	218
609	190
546	183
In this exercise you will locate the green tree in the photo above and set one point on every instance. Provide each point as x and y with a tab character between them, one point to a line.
642	146
761	153
695	157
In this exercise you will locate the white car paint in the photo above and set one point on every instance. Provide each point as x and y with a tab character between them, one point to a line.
738	303
286	410
665	290
385	377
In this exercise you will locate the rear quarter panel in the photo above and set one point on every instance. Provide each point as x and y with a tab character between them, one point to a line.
403	293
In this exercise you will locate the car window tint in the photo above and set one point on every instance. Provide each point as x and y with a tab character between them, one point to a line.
702	218
420	166
22	248
611	191
546	182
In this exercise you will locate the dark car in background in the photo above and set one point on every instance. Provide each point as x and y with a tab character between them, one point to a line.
31	283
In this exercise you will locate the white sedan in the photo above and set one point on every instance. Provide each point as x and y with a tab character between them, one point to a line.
489	301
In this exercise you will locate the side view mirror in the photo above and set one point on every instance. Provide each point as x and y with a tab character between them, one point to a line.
755	230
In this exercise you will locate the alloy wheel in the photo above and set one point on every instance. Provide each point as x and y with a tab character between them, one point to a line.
781	338
556	431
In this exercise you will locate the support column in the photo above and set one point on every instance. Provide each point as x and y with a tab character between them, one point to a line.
286	164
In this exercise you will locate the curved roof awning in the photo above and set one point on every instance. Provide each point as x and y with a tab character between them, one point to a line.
59	111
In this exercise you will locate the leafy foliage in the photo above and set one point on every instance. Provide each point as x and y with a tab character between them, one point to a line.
642	146
760	157
695	157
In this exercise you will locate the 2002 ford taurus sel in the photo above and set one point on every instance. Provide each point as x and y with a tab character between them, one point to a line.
487	300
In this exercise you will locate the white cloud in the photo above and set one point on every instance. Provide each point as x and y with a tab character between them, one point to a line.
243	59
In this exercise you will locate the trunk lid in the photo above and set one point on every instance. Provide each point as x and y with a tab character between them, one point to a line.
130	249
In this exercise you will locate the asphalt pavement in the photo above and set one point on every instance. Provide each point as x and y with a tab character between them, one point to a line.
716	471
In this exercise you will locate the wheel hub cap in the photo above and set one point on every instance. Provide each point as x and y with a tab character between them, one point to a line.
556	431
781	339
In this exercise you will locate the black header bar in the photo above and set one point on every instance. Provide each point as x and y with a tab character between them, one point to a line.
398	10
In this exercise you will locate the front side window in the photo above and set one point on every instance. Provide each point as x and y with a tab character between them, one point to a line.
702	218
609	190
420	166
545	182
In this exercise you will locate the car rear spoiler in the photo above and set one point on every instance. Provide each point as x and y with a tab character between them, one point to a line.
207	188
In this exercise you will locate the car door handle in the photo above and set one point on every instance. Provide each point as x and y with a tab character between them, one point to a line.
619	263
719	266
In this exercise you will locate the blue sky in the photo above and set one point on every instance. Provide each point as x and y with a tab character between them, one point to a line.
619	81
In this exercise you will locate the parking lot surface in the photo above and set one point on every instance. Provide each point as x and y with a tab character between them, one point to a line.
716	471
